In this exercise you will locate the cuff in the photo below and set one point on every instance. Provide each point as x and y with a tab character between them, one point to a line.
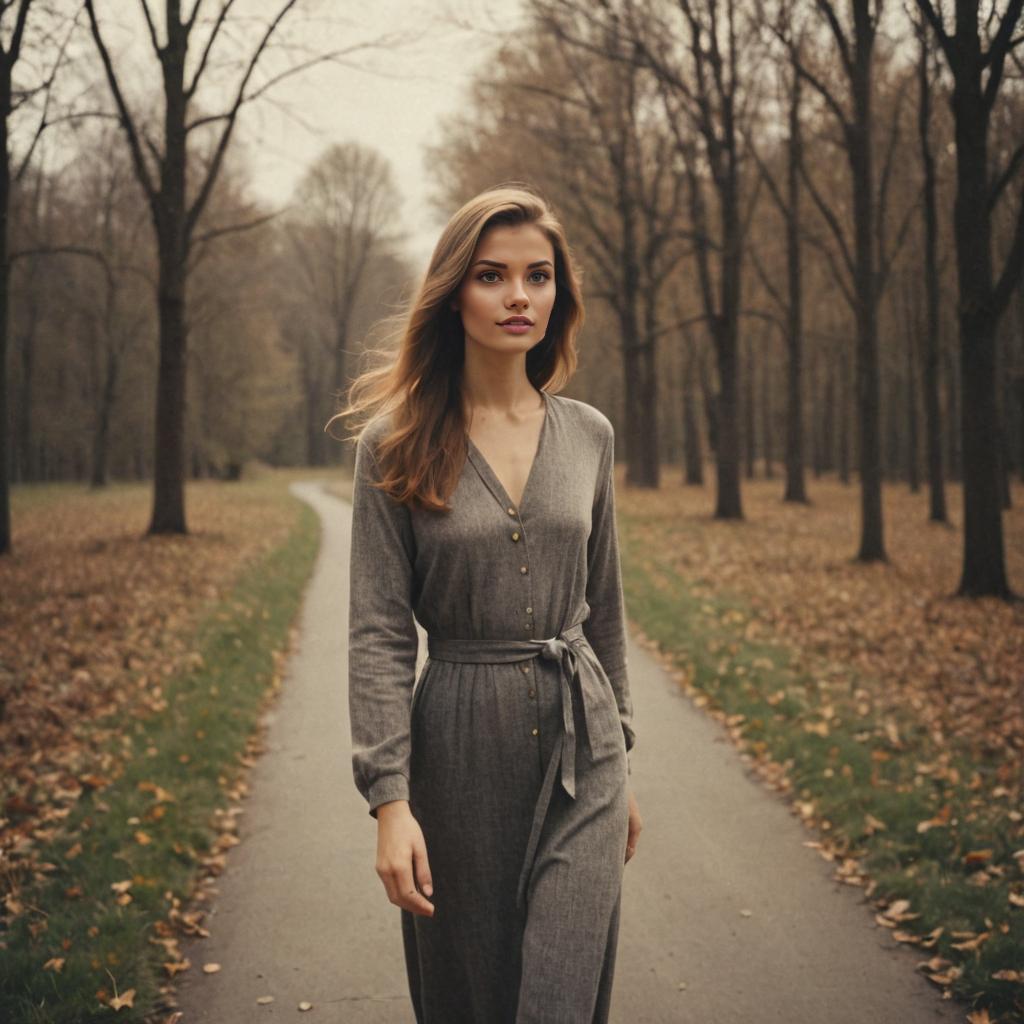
386	789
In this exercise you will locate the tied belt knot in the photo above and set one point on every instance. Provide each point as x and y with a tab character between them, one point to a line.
579	685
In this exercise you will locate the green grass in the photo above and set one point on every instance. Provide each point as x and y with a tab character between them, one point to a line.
192	750
850	773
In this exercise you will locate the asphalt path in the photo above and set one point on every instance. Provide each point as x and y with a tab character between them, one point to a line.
727	916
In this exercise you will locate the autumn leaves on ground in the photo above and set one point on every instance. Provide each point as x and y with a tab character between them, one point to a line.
134	672
132	676
890	714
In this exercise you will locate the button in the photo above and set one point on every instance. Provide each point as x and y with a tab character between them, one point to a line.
522	569
526	668
529	611
511	511
515	536
535	731
531	692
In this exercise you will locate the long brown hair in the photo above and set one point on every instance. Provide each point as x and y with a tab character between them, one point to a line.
422	455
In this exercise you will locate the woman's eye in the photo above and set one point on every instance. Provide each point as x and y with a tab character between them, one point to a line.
489	276
539	276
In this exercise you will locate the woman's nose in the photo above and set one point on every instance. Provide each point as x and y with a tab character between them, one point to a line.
517	295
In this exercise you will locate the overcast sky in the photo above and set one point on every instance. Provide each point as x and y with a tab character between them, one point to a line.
393	102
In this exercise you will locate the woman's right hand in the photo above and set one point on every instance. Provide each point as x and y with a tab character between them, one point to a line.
402	858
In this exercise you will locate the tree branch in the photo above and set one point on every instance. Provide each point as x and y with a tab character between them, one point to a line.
221	15
830	219
1006	177
157	49
193	214
127	122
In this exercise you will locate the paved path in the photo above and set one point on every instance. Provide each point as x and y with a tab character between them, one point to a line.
301	915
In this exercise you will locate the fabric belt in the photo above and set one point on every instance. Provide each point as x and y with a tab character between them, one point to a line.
560	648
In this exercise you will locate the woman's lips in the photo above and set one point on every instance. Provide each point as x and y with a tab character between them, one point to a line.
516	324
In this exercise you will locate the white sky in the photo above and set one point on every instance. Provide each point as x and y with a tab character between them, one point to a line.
396	111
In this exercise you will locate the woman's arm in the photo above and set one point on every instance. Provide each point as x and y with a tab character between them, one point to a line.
382	652
382	637
605	628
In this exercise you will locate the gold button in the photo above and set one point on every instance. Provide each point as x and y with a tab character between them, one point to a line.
529	611
526	668
522	569
515	536
535	731
511	511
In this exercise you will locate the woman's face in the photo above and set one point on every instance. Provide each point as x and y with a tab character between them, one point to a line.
511	278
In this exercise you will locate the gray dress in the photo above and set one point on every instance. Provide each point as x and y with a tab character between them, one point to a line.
512	749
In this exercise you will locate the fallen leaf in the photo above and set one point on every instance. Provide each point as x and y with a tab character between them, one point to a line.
125	999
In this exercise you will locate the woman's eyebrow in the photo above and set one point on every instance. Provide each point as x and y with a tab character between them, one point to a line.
504	266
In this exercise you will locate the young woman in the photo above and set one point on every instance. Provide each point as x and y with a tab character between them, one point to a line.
483	505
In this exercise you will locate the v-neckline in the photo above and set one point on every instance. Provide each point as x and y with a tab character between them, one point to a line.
501	492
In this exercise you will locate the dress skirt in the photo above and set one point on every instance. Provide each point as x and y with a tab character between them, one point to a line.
483	736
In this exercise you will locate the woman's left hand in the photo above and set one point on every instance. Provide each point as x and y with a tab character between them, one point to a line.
635	825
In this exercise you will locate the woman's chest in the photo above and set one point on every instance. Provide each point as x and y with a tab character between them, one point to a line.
555	513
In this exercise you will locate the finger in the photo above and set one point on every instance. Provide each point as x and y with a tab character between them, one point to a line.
388	879
421	868
408	897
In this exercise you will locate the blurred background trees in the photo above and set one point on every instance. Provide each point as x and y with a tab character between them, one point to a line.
763	198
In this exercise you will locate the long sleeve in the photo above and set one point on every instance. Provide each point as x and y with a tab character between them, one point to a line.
605	628
382	637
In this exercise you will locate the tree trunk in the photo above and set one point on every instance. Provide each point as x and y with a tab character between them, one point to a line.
725	331
22	454
796	489
913	479
845	429
648	359
859	148
104	413
767	426
172	250
710	397
828	417
930	376
5	277
749	441
984	571
816	424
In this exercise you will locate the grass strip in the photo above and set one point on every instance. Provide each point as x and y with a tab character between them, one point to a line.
142	835
901	818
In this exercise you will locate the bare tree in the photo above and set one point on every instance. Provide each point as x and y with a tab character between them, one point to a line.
161	167
704	59
346	215
929	212
864	266
978	73
787	198
14	26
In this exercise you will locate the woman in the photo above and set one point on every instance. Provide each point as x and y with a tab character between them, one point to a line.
483	503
